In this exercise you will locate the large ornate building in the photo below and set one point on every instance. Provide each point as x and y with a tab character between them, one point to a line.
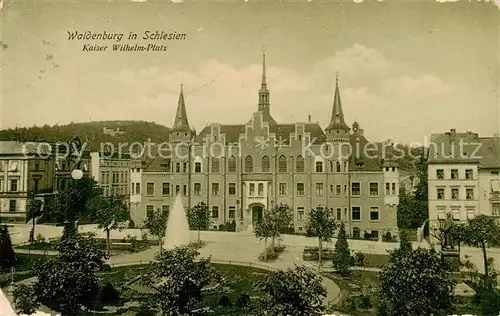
239	171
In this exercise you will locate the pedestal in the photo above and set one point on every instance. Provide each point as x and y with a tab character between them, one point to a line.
453	258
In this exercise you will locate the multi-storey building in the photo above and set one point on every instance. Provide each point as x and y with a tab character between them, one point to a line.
463	177
136	167
26	170
64	166
239	171
112	172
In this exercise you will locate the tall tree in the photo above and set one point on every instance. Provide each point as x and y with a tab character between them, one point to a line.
178	277
417	283
284	217
33	212
265	228
482	231
7	255
108	212
320	224
413	206
294	292
71	203
404	242
342	255
199	218
157	225
69	281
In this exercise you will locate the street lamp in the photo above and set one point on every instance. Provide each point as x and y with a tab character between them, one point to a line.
74	145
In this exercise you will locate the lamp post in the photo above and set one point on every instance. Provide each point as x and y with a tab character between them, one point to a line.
76	174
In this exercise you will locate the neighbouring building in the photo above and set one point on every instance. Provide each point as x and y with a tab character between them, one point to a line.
463	177
111	170
136	167
26	170
64	166
241	170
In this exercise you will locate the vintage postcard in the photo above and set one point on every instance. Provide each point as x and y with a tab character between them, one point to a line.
245	157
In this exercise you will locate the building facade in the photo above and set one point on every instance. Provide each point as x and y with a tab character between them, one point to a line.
239	171
112	172
26	171
463	177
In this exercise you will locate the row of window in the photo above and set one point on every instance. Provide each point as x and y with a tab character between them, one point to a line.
214	210
455	212
13	185
10	165
282	189
374	212
249	165
454	174
114	190
117	177
455	194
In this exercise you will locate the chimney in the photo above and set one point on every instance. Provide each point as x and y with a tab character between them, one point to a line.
309	118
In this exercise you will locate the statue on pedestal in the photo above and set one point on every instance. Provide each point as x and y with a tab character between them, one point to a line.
447	241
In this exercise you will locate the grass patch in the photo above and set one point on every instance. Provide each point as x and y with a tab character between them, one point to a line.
271	253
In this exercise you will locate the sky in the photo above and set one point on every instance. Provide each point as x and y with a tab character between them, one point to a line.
406	69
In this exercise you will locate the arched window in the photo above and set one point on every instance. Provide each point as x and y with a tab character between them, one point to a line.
282	164
231	164
299	164
266	165
249	164
215	165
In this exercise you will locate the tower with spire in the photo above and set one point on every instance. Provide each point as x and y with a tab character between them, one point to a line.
181	132
264	101
337	130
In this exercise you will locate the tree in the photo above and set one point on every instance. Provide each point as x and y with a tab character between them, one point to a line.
199	218
33	212
413	207
25	300
157	225
342	255
488	295
294	292
320	224
178	277
482	231
7	255
422	278
284	217
265	228
71	203
108	213
69	281
404	242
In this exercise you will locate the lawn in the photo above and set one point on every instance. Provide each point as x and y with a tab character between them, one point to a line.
240	282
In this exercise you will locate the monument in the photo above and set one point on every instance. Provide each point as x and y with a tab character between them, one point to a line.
448	251
177	233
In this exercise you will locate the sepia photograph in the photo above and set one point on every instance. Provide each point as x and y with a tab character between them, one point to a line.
250	157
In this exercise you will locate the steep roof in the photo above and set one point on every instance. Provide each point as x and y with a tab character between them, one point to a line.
365	155
337	120
453	147
233	132
489	152
181	121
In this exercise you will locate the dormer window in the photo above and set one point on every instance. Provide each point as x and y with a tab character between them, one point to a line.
359	164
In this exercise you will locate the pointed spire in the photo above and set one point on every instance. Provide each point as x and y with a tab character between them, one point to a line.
264	79
181	121
337	119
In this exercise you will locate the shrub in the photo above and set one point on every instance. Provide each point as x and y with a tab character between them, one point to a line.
222	227
145	310
225	301
106	268
364	301
387	237
243	301
359	259
271	254
108	293
131	224
145	236
40	238
350	304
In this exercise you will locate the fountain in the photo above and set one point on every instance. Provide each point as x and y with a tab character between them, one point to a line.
177	233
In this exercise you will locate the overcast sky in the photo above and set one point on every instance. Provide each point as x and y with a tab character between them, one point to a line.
406	70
